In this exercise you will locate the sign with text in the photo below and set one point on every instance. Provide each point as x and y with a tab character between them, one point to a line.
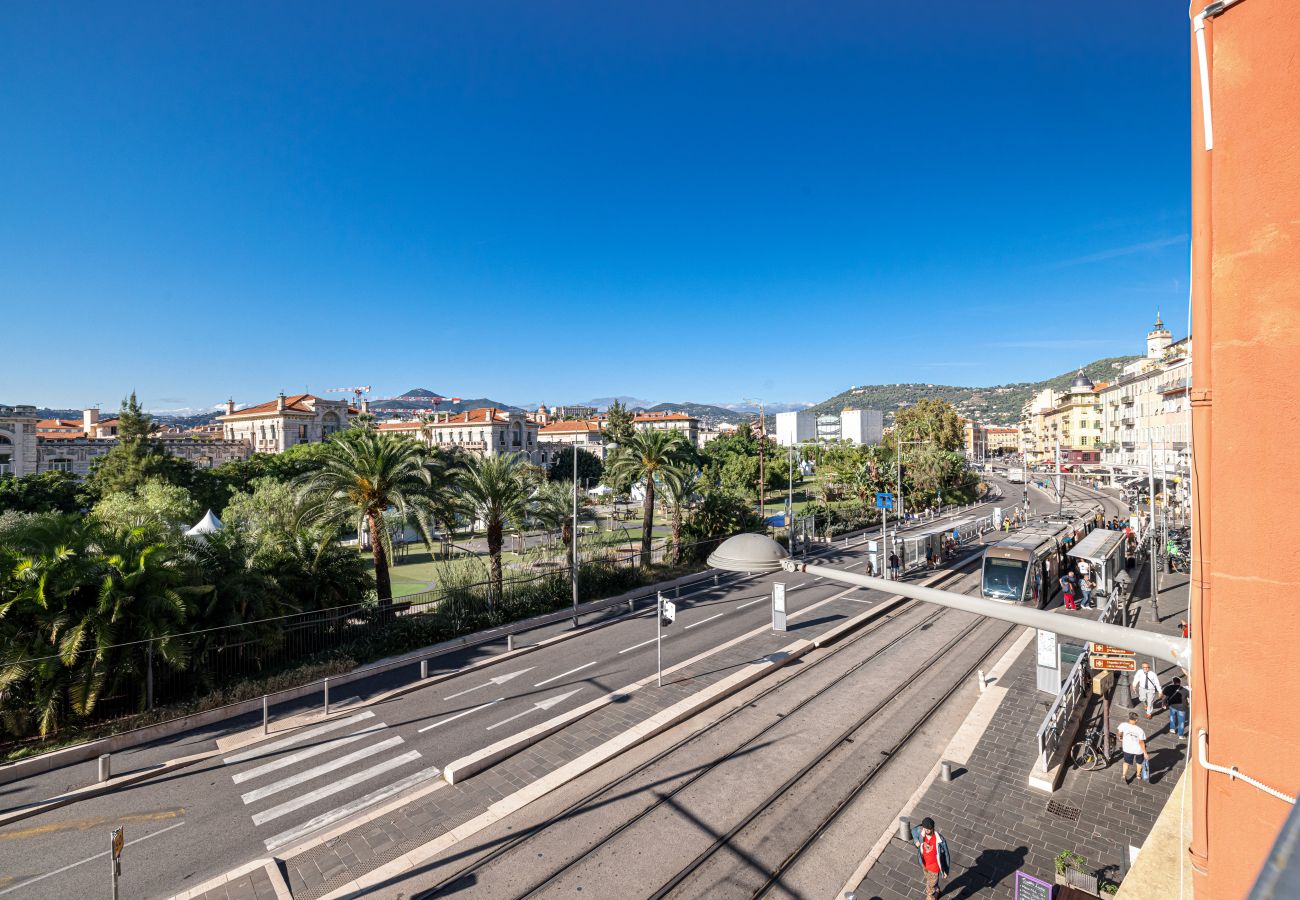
778	607
1030	888
1094	647
1112	663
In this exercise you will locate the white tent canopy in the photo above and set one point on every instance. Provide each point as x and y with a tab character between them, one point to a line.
209	524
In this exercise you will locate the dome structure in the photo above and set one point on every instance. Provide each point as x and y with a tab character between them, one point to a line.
1082	383
748	553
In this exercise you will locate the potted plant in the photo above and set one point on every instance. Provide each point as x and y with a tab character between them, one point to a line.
1071	871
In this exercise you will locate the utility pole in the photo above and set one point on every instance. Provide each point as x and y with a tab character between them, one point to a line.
789	502
574	579
1060	482
1151	527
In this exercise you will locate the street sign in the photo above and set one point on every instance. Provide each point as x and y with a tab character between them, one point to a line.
778	606
1112	663
1094	647
884	501
670	612
119	841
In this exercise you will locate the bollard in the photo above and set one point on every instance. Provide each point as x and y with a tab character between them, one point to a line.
631	605
424	669
327	696
715	579
105	767
510	642
982	680
677	591
266	715
945	770
904	828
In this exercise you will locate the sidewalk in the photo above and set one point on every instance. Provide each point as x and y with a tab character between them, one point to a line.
995	824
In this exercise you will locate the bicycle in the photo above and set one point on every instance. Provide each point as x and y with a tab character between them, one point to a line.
1089	754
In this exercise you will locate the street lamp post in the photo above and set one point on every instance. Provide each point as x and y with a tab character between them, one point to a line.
574	579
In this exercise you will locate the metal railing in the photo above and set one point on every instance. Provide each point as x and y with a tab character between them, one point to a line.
1067	699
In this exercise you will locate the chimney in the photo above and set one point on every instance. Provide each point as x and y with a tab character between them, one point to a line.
88	418
230	406
365	405
279	402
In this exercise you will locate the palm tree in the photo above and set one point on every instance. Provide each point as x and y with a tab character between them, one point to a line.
364	474
644	456
679	484
496	490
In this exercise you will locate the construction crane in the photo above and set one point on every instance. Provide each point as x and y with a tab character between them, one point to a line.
435	400
355	391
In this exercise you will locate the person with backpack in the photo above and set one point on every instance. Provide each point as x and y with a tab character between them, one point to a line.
932	854
1067	590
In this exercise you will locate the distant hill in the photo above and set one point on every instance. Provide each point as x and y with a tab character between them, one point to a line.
710	415
422	398
603	403
999	404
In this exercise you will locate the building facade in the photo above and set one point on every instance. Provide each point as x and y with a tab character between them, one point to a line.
669	421
1147	414
279	424
29	445
795	427
583	433
486	431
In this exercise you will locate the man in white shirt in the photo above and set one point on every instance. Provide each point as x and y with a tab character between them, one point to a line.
1147	685
1133	744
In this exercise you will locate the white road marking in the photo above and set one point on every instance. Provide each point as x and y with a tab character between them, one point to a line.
460	714
636	646
500	679
294	780
23	884
751	602
540	704
285	838
321	793
702	621
856	600
570	672
267	749
324	747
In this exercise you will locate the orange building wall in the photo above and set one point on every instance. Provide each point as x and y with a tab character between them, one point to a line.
1246	427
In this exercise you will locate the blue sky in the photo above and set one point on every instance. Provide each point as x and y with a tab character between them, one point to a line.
565	200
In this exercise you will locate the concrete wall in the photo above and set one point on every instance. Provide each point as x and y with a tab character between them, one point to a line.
862	426
795	427
1246	426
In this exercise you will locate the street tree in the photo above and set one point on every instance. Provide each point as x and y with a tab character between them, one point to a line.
496	491
641	459
363	475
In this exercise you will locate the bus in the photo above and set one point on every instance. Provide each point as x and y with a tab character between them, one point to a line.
1025	566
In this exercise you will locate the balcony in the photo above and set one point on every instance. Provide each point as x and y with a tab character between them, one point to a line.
1127	400
1127	422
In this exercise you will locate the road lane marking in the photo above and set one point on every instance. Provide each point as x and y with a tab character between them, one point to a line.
570	672
856	600
321	793
636	646
23	884
291	759
266	749
500	679
285	838
93	822
540	704
295	780
751	603
702	621
460	714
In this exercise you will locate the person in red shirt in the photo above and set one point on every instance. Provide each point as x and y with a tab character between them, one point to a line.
932	853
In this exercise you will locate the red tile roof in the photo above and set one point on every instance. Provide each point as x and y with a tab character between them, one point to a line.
571	426
662	417
297	404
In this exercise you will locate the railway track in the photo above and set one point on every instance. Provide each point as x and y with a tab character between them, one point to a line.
916	619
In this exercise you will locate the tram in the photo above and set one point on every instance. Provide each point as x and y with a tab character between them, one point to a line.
1025	567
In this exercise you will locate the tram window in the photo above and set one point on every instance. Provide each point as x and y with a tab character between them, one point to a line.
1004	578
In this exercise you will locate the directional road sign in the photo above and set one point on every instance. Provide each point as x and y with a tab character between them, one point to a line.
670	612
884	501
1106	649
1112	663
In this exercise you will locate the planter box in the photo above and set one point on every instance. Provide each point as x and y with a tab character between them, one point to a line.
1081	881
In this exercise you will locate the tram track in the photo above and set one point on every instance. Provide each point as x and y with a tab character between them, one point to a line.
466	875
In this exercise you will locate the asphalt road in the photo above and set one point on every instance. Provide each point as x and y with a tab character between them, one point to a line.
197	822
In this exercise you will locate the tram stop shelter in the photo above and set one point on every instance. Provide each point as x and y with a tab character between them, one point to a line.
1103	550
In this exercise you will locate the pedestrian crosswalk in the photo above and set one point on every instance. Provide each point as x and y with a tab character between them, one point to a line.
328	762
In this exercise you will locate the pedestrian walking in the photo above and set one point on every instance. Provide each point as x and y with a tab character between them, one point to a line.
1133	746
1089	585
1147	685
895	565
932	854
1176	702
